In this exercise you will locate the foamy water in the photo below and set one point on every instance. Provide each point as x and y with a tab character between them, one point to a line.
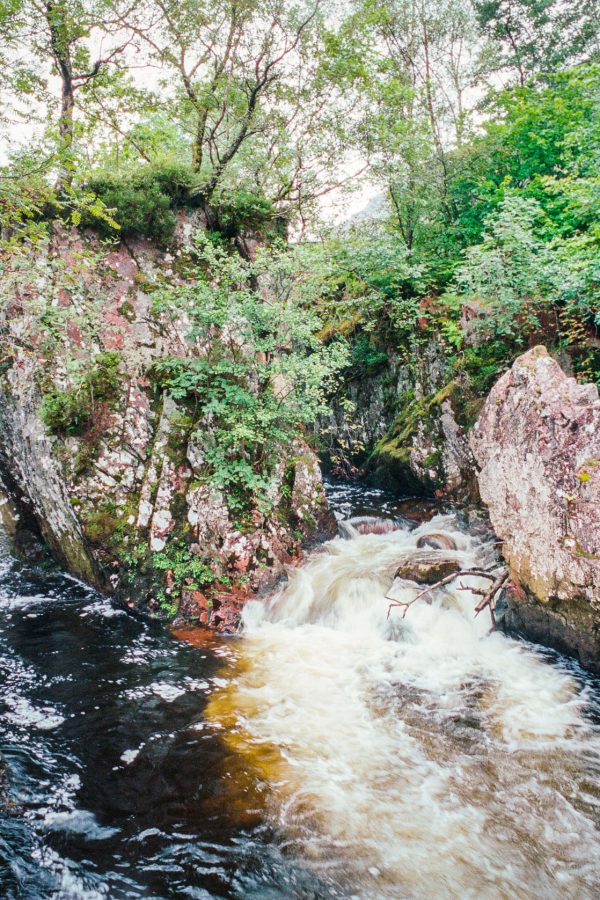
416	757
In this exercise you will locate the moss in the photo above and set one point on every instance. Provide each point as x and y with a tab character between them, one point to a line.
69	411
106	525
127	310
343	328
392	454
181	428
142	280
433	460
99	523
85	458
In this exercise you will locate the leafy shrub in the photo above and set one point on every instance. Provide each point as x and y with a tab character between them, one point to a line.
188	571
365	358
485	363
262	375
69	411
512	272
65	412
104	378
244	209
144	203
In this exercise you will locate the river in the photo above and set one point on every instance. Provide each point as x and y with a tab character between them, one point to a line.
326	752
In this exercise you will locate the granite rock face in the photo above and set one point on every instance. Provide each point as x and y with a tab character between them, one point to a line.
537	447
402	424
116	501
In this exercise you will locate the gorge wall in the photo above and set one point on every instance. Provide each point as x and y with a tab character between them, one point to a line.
122	499
114	478
405	424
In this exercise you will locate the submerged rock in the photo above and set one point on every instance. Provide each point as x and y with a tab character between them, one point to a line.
437	542
349	528
537	446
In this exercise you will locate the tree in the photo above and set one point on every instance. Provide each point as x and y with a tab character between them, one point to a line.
243	69
422	65
529	37
61	36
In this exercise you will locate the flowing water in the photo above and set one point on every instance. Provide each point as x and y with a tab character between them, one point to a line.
327	752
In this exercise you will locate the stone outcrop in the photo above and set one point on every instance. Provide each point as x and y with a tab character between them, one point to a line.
537	447
403	425
427	569
125	502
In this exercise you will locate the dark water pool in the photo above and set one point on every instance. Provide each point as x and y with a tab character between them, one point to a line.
115	783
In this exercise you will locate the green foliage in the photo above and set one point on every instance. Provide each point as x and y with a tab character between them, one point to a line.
144	203
510	273
514	233
188	571
365	358
28	205
101	523
65	412
529	36
262	373
69	411
367	280
484	364
240	209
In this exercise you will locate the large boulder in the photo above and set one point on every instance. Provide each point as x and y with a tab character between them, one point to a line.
537	446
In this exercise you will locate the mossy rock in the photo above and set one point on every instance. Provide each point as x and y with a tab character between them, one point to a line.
427	571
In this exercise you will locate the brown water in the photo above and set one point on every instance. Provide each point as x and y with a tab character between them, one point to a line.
328	752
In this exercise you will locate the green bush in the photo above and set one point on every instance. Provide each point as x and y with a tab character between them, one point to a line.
65	412
365	358
243	208
144	204
68	412
104	378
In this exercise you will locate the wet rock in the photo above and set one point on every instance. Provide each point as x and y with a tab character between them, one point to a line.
425	450
8	807
427	571
29	466
349	528
437	542
537	445
195	607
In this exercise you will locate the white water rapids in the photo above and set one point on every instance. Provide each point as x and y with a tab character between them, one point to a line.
421	757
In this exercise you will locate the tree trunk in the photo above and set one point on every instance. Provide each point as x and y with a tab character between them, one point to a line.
65	130
61	51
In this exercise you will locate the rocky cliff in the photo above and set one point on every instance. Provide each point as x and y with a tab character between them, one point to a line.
101	458
537	448
405	424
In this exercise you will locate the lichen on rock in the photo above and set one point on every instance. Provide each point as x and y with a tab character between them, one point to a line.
537	447
113	468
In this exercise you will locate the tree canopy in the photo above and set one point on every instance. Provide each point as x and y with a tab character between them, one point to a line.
476	122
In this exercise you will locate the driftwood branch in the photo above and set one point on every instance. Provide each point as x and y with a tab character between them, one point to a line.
489	596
